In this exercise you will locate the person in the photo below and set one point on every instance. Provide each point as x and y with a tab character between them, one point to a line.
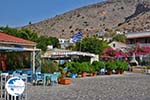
3	62
3	65
129	68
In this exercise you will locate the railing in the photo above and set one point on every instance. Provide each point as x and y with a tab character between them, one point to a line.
140	44
73	53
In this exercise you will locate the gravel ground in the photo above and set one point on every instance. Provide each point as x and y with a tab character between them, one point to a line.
128	86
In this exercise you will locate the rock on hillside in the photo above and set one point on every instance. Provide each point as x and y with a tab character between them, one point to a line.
138	24
125	15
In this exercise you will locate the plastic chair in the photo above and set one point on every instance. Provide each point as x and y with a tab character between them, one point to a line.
18	72
54	79
29	74
73	75
57	73
38	78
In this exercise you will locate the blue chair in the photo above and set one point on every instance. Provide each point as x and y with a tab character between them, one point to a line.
46	79
29	75
24	77
17	72
54	79
57	73
38	78
73	75
10	72
29	72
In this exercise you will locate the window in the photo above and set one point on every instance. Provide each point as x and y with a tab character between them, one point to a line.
114	45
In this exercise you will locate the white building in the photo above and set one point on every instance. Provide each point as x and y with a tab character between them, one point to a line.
64	43
118	45
142	38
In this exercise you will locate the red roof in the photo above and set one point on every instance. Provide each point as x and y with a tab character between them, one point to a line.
12	39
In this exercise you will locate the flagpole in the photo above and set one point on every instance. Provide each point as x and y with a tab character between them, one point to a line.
80	46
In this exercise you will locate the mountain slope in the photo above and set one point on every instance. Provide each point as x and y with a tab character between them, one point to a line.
124	15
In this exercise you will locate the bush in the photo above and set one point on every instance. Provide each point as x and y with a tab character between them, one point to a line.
110	65
121	65
124	65
76	67
84	67
98	65
49	66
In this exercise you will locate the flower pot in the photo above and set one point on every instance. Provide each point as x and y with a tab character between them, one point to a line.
65	81
121	71
117	71
93	74
83	74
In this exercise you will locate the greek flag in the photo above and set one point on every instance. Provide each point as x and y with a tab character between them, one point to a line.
76	37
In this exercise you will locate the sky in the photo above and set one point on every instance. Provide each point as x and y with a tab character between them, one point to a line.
17	13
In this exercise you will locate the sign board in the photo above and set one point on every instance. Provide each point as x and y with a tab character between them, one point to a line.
15	86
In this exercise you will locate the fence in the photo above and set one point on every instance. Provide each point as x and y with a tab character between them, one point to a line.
4	94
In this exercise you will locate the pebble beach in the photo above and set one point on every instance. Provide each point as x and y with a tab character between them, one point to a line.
129	86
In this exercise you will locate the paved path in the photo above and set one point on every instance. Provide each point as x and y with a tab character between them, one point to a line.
115	87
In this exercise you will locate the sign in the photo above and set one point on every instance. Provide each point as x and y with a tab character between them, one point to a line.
15	86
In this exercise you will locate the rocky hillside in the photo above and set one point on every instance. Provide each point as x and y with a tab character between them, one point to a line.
124	15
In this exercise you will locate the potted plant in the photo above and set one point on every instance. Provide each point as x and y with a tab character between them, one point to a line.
98	65
84	68
49	66
124	66
118	64
110	65
121	67
73	68
65	81
91	70
62	79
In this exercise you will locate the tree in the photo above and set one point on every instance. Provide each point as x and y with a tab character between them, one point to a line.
92	45
54	41
49	66
28	34
10	31
21	33
42	41
119	38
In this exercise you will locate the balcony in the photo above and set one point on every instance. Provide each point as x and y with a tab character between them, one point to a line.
140	44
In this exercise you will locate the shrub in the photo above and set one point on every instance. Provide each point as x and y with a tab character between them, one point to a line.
84	67
49	66
74	67
124	65
121	65
110	65
98	65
